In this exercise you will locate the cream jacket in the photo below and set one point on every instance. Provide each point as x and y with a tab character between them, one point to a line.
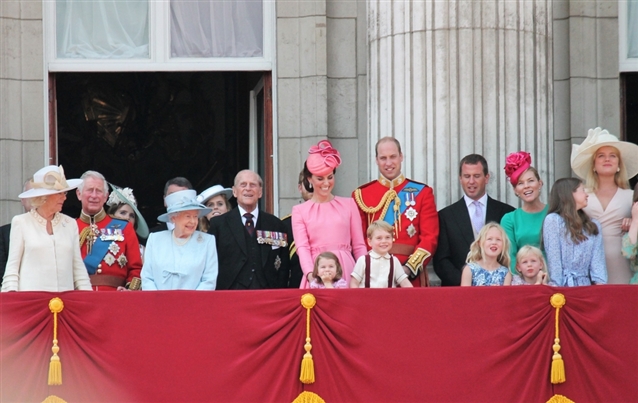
42	262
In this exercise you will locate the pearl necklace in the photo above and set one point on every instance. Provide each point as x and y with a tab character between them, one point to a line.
178	242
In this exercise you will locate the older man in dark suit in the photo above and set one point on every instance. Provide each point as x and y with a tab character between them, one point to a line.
252	246
460	223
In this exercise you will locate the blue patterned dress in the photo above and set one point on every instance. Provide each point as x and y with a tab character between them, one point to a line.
571	264
481	276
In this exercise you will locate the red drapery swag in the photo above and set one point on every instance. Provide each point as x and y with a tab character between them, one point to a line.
480	344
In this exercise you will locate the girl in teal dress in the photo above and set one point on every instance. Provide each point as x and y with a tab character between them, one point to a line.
523	225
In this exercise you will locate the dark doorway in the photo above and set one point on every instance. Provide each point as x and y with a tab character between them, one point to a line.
141	129
629	108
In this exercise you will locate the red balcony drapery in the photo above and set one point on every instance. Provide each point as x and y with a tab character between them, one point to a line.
479	344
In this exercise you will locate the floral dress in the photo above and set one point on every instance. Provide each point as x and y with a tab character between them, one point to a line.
481	276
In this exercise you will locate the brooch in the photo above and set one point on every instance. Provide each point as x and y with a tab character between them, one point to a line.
277	263
411	230
114	248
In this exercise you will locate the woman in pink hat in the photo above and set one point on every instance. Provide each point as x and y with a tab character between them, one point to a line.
326	222
523	226
605	164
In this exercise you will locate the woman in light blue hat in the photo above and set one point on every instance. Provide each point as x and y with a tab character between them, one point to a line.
183	258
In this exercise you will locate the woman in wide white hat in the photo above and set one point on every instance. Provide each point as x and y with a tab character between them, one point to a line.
216	198
605	164
183	258
44	245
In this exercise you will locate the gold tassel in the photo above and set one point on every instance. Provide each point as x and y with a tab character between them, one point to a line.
559	399
55	366
53	399
307	375
558	366
308	397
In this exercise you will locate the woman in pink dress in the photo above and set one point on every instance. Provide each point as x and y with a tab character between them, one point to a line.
326	222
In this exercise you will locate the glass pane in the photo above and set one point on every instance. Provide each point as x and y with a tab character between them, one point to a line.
211	28
632	29
102	29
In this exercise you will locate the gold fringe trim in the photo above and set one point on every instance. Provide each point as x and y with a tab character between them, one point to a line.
308	397
384	205
55	366
53	399
307	375
559	399
558	366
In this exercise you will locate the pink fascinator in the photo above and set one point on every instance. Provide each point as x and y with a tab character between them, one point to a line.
516	164
323	159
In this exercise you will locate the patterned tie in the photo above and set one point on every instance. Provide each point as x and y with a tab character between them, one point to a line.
250	226
477	217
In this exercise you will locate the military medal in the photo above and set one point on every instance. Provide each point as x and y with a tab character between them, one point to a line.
122	260
411	213
109	259
260	237
411	230
409	200
277	263
114	248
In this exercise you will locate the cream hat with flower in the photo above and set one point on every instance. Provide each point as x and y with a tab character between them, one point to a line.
583	154
49	180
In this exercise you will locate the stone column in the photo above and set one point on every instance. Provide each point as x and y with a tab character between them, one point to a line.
21	100
450	78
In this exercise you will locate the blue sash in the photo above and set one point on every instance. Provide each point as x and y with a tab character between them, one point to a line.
100	248
404	194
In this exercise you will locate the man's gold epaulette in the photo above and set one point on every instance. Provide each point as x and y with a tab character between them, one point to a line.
286	217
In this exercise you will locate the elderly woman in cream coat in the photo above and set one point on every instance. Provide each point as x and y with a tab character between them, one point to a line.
182	258
44	246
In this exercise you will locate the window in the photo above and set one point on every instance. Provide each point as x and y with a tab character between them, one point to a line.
153	35
628	35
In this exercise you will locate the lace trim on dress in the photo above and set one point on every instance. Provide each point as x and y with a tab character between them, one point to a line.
57	217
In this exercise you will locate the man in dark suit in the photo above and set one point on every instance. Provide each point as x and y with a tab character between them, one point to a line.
460	222
172	186
252	246
5	230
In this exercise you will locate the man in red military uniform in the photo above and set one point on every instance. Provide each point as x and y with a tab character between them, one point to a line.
407	205
109	246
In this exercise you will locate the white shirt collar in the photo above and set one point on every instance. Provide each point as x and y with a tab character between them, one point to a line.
255	214
375	255
482	200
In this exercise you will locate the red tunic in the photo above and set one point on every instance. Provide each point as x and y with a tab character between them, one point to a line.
416	236
128	248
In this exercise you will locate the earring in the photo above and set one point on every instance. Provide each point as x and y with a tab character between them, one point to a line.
617	169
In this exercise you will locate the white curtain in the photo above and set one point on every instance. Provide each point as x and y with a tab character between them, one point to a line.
216	28
102	29
632	29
